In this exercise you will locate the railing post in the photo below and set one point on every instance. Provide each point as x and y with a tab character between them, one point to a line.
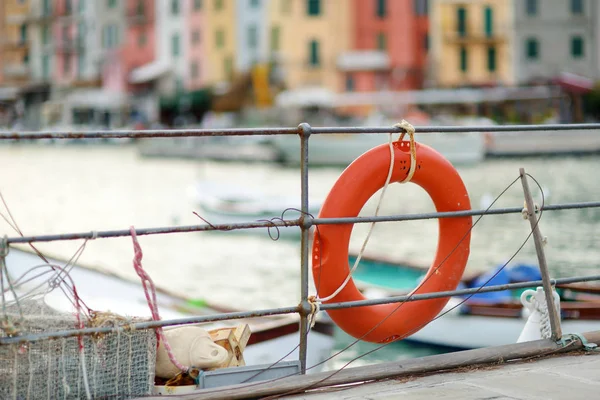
539	248
305	131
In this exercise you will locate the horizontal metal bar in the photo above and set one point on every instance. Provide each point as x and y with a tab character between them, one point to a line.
171	133
291	222
283	310
461	292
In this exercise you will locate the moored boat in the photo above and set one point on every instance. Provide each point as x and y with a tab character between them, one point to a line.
484	319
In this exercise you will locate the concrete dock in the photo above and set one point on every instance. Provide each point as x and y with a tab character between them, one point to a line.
573	376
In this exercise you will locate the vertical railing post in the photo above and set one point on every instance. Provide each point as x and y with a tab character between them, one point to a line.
539	248
305	131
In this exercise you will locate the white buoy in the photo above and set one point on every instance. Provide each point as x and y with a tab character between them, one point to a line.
538	322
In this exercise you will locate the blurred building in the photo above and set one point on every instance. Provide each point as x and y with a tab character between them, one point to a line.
472	42
555	36
306	39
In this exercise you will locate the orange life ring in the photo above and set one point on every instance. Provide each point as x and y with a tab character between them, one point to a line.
361	179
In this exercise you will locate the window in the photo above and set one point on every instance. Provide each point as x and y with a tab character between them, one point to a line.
80	64
381	41
380	8
23	33
220	38
313	7
175	7
175	47
577	6
68	7
45	66
47	7
489	21
228	67
577	47
275	32
110	36
141	8
142	39
463	59
45	35
532	49
426	42
65	33
197	5
179	85
26	58
461	17
421	7
66	64
111	3
195	70
252	37
313	49
349	83
81	6
531	7
491	58
254	3
218	4
196	37
81	35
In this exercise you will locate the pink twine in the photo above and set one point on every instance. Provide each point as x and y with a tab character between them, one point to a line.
151	298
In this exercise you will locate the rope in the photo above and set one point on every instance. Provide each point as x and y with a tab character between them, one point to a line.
406	128
150	293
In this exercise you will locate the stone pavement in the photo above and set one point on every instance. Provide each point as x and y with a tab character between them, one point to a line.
571	377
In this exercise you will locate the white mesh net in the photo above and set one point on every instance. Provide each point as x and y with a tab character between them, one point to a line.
119	365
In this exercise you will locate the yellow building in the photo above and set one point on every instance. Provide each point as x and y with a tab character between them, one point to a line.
306	38
471	42
220	40
14	41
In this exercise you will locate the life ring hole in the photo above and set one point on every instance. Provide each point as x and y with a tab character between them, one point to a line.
398	253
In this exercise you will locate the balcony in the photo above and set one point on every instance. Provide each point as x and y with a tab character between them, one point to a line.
13	44
16	70
138	16
69	46
475	35
40	14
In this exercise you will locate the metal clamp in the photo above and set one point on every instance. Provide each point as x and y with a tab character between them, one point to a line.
569	338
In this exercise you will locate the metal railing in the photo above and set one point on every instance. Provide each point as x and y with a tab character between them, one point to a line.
306	221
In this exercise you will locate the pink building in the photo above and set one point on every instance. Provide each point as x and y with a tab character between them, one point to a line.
139	48
389	46
194	42
67	42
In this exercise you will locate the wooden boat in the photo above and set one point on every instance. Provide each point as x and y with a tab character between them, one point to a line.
271	337
485	319
225	205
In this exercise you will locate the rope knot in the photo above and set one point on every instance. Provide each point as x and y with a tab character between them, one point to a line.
315	307
4	246
407	128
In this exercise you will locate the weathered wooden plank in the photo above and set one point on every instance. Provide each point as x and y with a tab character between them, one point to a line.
442	362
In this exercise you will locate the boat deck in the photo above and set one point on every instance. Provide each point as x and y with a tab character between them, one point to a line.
574	376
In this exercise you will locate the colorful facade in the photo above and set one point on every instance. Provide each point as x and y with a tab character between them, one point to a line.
220	40
389	46
15	46
472	42
306	39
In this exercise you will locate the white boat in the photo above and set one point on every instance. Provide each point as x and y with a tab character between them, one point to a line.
226	205
342	149
535	143
272	338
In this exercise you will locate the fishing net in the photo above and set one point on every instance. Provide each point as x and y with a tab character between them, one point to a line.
117	364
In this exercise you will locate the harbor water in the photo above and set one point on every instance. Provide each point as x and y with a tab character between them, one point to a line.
76	188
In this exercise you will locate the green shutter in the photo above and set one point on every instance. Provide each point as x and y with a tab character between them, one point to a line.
314	53
532	49
381	41
275	32
489	21
381	8
461	15
463	59
491	59
577	47
314	7
175	45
